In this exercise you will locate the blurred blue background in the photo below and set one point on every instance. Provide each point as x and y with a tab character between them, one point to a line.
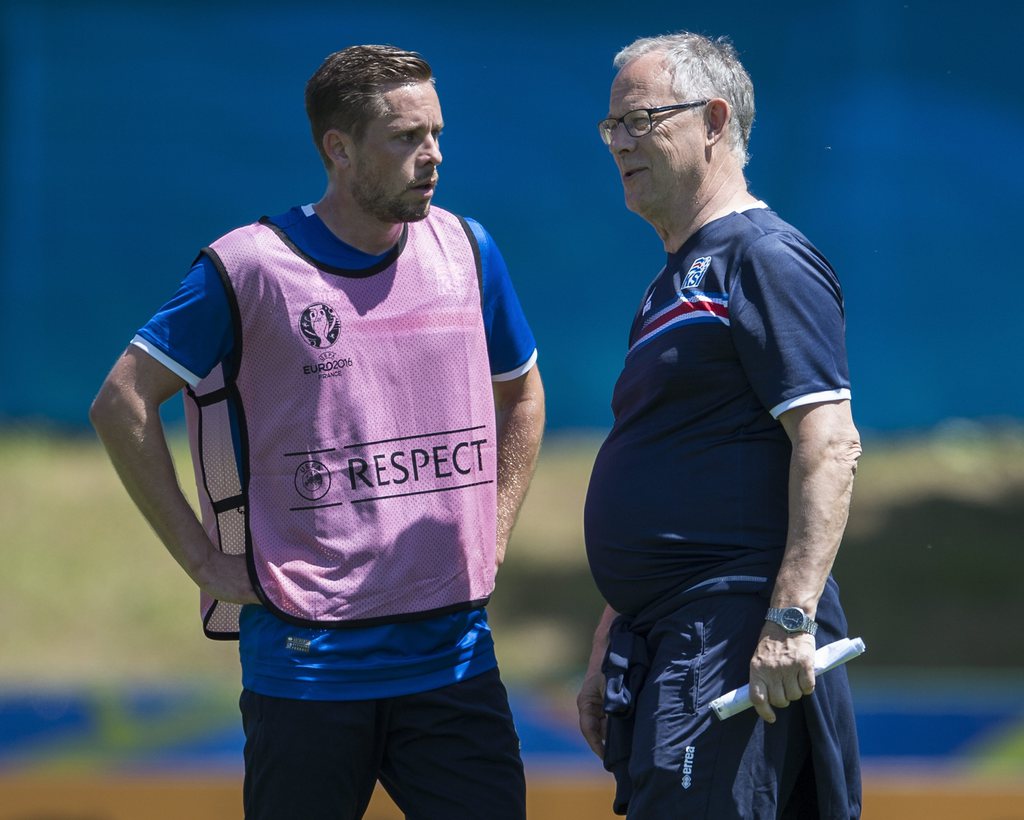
889	132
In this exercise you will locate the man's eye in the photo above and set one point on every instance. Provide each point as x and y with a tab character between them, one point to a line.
637	121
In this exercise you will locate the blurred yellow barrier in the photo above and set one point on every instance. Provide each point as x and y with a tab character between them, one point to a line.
38	797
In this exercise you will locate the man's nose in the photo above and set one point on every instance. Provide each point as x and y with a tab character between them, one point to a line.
432	153
621	140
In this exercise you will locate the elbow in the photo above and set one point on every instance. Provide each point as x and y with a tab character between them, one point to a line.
101	411
100	408
109	405
824	437
847	451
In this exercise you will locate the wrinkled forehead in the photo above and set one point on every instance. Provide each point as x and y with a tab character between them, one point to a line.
645	82
410	105
402	96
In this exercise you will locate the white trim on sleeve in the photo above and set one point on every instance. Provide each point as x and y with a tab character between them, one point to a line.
810	398
519	371
166	361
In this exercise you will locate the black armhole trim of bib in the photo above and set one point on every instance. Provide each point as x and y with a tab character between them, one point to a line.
477	259
236	318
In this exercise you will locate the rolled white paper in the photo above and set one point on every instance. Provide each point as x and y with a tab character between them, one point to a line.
826	657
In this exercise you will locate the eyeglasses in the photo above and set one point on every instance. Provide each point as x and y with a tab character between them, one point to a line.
639	122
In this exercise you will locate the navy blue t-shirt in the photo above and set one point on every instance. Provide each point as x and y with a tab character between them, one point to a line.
744	322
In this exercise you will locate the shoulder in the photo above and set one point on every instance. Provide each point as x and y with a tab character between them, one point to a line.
243	234
482	236
472	229
764	231
774	246
290	218
238	250
484	247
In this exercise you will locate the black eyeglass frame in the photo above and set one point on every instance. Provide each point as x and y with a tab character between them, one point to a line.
608	125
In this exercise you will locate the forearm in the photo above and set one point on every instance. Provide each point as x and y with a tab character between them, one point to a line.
134	440
519	411
600	645
590	700
822	470
126	415
824	460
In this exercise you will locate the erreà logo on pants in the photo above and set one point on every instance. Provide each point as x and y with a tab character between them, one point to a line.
687	780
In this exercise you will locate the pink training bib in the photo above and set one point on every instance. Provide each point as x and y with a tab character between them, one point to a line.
365	431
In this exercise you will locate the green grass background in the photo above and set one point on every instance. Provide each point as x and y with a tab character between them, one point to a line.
930	568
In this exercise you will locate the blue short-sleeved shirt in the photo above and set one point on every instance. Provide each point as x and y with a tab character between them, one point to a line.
744	322
191	334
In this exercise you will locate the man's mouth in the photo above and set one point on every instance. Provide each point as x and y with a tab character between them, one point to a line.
424	184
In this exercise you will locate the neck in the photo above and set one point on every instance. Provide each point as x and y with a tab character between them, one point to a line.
353	226
717	195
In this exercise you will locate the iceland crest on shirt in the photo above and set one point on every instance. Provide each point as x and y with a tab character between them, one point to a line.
695	275
690	305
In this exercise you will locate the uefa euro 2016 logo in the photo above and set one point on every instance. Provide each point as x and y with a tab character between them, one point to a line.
312	480
319	325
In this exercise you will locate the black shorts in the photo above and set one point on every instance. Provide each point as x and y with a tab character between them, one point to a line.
448	753
685	763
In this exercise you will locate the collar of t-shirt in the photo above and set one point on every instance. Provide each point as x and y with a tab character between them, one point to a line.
311	236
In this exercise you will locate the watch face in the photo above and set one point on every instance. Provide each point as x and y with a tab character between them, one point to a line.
792	618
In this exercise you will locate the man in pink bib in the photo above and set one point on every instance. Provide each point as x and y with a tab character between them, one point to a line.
365	412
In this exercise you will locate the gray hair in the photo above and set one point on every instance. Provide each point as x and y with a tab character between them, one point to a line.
702	67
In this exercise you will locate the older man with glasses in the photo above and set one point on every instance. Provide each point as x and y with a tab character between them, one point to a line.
719	499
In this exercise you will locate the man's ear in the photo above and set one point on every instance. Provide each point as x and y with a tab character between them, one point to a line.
717	119
338	147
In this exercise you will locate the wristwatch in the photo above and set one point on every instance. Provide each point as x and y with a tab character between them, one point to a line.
792	619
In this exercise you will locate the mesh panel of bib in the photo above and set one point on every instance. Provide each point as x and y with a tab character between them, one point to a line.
220	490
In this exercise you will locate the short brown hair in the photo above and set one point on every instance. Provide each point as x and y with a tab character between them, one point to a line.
347	90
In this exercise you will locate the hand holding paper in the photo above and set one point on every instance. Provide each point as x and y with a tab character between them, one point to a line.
825	658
